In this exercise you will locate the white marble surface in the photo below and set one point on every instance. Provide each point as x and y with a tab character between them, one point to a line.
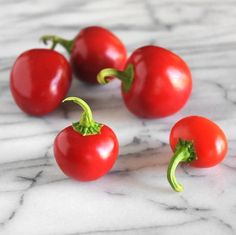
135	198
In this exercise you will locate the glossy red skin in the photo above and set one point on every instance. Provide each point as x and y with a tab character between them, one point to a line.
209	140
162	83
94	49
86	158
39	81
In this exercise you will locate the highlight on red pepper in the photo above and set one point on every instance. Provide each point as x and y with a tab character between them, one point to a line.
155	83
40	80
197	141
85	150
93	49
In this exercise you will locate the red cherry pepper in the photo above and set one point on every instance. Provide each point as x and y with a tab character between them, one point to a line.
198	141
156	82
92	50
86	150
39	81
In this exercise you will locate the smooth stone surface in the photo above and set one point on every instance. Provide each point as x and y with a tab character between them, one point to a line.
134	198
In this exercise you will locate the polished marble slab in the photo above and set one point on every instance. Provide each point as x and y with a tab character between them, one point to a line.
134	198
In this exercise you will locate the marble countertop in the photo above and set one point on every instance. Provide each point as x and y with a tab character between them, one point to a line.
134	198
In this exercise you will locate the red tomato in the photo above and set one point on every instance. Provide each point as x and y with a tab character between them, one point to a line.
40	79
92	50
198	141
83	152
156	82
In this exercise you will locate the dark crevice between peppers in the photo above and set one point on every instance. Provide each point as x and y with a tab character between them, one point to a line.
67	44
184	152
86	124
126	76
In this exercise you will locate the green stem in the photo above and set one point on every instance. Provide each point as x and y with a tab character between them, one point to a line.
67	44
86	124
126	76
184	152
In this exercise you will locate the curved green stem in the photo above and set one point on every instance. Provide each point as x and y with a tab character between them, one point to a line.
126	76
86	124
67	44
184	152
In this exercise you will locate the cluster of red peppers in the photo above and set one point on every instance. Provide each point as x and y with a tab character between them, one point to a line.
155	83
